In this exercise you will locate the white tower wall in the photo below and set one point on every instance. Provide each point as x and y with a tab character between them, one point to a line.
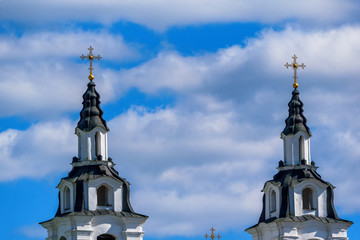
295	147
92	144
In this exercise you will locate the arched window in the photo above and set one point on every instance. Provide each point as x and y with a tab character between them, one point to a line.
307	197
272	201
66	198
106	237
97	144
62	238
102	196
301	148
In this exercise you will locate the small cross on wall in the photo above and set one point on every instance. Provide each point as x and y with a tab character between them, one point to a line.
91	57
212	236
295	66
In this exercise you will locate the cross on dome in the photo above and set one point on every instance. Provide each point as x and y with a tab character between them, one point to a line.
295	66
91	57
212	236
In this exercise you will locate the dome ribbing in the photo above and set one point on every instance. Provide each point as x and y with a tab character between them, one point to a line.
91	114
296	121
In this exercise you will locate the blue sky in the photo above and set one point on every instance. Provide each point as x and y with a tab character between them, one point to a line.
195	94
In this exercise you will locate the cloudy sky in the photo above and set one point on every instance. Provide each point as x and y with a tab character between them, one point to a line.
195	94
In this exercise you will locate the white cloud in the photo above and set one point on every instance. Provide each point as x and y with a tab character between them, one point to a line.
231	74
161	14
212	125
191	166
237	73
42	149
341	165
33	231
170	210
187	169
174	137
55	45
325	52
40	78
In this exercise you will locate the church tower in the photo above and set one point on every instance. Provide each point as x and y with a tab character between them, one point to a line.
297	203
94	201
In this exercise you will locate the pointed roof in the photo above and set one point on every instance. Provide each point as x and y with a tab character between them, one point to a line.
296	121
91	114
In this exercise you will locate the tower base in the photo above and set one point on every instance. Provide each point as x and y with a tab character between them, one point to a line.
301	228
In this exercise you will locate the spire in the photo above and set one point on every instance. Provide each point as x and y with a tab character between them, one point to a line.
91	114
296	121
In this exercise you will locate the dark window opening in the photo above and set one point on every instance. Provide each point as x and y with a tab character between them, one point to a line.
272	201
97	144
66	198
301	148
106	237
103	196
307	197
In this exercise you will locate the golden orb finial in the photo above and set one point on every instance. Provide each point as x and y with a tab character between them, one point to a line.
91	77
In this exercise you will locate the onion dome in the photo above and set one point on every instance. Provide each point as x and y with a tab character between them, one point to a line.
296	121
91	114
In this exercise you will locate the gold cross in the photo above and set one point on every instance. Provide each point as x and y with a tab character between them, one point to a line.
212	236
91	58
295	66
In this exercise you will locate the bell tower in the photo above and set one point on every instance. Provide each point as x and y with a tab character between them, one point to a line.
297	202
94	201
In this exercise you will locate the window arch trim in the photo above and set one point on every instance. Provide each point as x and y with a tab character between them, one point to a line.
69	195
